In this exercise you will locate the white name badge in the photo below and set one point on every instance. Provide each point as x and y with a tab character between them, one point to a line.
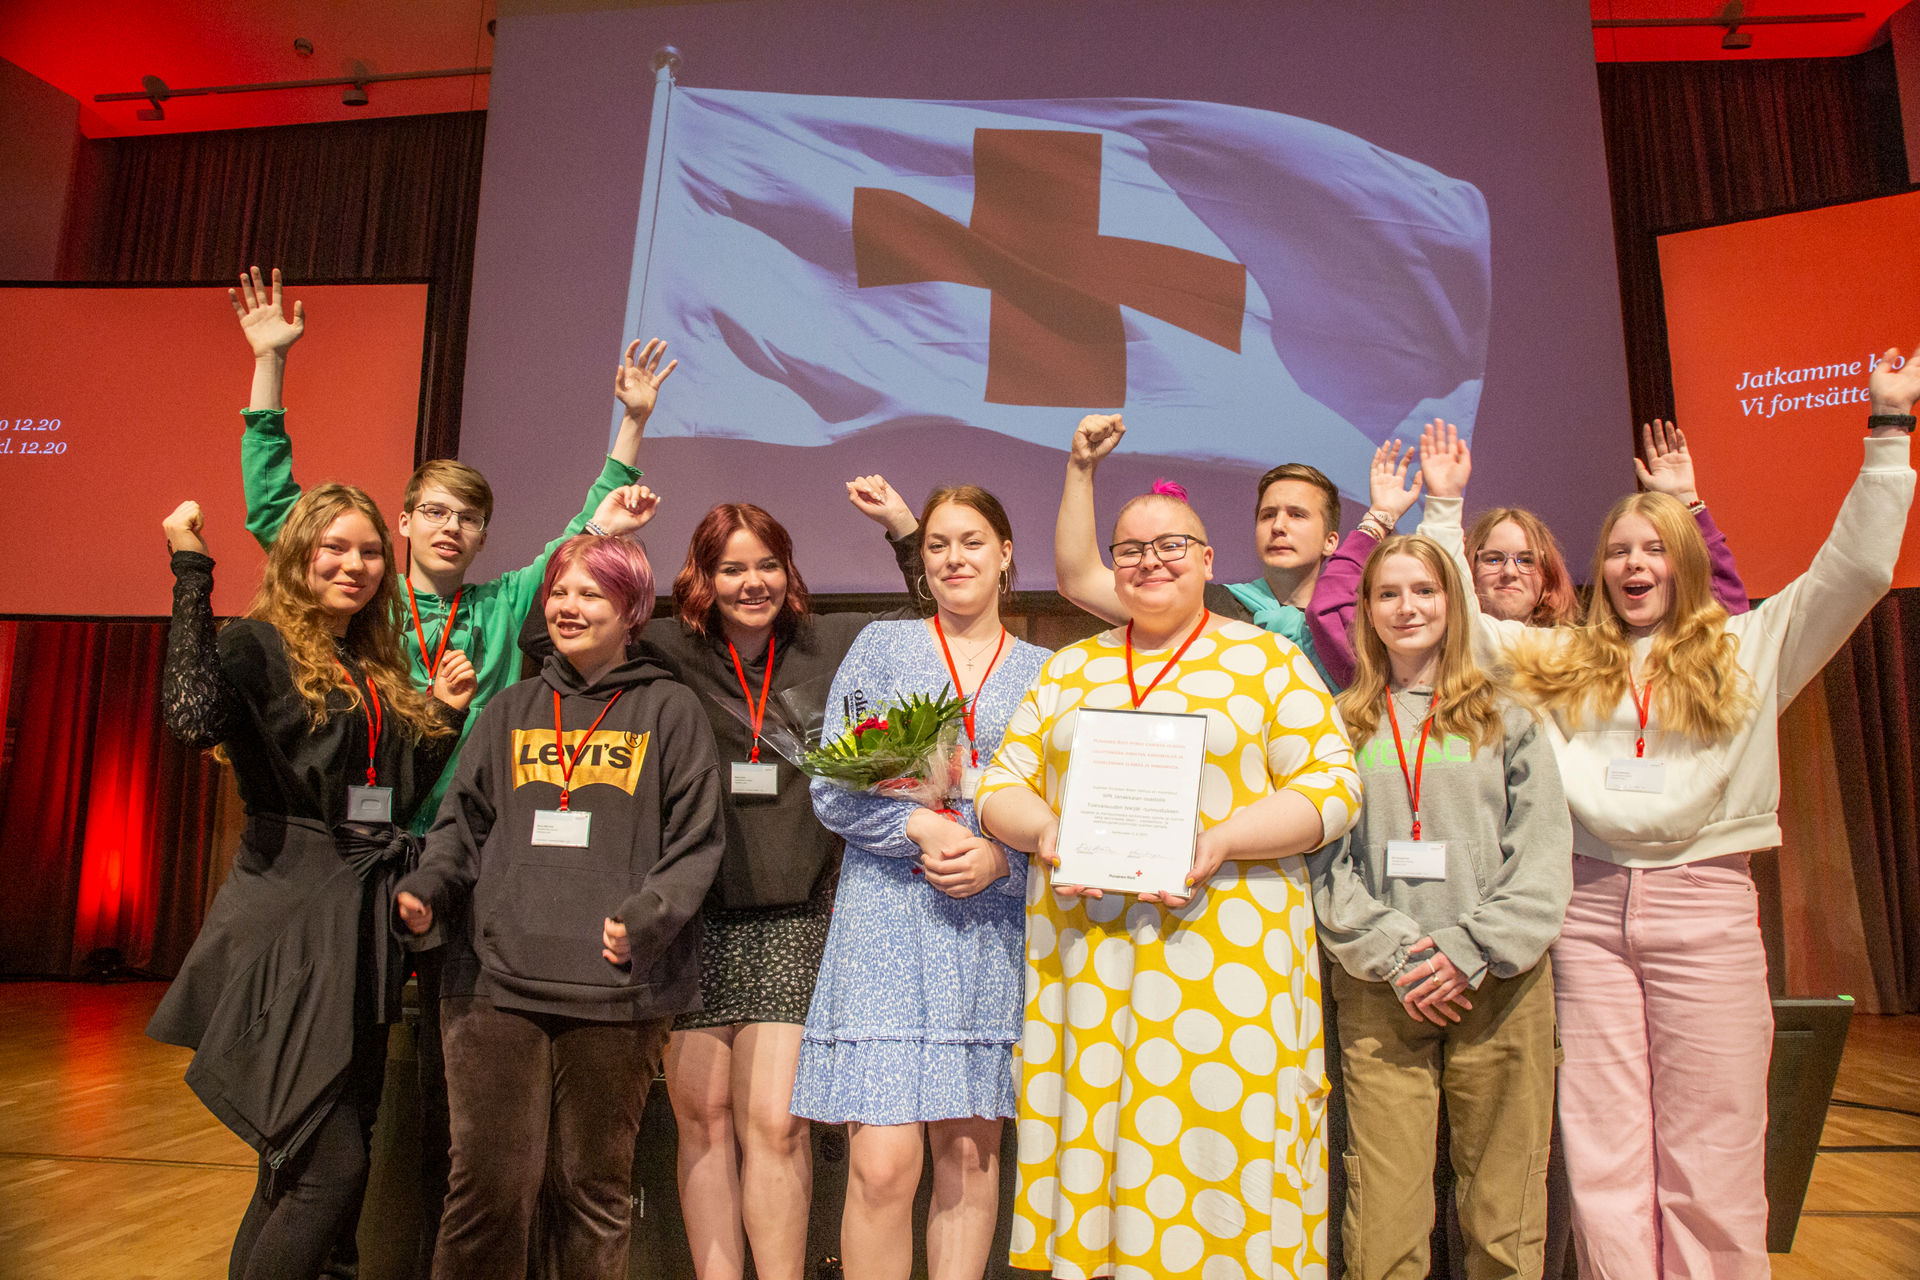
969	780
1417	859
369	804
562	828
755	779
1632	773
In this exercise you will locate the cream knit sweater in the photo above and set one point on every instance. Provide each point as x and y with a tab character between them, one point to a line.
1720	797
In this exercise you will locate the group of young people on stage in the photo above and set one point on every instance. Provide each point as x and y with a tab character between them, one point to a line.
1516	825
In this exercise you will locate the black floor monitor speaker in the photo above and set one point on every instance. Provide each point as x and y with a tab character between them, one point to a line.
1808	1038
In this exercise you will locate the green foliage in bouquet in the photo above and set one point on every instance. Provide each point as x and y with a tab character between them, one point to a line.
897	743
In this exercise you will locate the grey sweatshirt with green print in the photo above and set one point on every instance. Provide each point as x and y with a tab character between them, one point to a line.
1509	854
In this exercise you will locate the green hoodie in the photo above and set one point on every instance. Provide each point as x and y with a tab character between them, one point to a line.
493	609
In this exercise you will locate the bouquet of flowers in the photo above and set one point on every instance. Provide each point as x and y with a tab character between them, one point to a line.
907	750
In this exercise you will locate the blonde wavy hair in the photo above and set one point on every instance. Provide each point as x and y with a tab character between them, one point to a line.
1465	703
373	634
1583	672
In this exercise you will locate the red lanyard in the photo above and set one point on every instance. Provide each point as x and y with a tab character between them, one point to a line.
757	714
373	719
566	762
966	707
1419	760
1139	697
420	633
1642	703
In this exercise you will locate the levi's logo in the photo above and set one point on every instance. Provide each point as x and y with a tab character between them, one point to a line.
610	757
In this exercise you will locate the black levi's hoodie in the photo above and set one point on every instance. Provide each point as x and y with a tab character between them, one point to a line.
523	922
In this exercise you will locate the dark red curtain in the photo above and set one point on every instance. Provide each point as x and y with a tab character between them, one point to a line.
1689	143
109	823
375	200
111	835
1870	688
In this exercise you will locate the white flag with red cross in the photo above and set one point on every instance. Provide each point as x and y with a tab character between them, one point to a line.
1246	286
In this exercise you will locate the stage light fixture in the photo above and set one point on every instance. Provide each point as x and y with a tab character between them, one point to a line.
354	95
156	92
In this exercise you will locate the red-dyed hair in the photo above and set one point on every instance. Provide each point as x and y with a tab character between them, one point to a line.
693	594
618	566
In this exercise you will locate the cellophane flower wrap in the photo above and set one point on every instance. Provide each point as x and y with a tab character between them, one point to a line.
907	750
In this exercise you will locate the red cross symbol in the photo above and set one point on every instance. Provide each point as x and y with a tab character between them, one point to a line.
1055	336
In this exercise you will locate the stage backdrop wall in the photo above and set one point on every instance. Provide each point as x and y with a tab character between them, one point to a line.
1840	908
1501	97
111	834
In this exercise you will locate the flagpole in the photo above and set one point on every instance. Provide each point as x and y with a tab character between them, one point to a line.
666	61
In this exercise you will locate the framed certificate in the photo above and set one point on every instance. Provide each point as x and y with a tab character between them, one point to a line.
1131	804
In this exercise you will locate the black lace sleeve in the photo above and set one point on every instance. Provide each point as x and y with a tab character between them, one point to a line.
196	701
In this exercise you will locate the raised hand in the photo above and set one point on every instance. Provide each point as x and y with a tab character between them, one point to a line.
1668	467
1894	385
262	321
1388	489
1445	462
636	383
626	510
183	528
615	946
455	681
415	914
1095	438
875	499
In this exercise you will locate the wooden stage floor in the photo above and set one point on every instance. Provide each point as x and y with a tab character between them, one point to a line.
111	1170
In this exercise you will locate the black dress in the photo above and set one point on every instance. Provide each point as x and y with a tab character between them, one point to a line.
766	917
286	990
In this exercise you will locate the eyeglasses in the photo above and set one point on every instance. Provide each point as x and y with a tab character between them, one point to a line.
1523	561
437	516
1170	547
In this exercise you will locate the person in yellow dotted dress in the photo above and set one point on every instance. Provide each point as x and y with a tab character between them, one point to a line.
1172	1080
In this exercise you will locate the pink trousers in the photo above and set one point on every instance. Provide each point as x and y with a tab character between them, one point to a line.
1661	986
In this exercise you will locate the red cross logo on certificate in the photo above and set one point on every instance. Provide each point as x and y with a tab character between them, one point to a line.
1055	335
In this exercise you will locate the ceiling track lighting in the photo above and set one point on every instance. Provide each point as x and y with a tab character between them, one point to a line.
154	91
1731	18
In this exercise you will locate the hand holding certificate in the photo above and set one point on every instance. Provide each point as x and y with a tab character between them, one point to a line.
1129	810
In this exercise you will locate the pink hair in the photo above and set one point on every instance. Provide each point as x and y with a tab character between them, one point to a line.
1171	489
618	566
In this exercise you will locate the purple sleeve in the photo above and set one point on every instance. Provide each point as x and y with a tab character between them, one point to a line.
1728	589
1330	612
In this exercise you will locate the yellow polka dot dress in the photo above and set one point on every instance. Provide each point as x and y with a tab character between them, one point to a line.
1172	1083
